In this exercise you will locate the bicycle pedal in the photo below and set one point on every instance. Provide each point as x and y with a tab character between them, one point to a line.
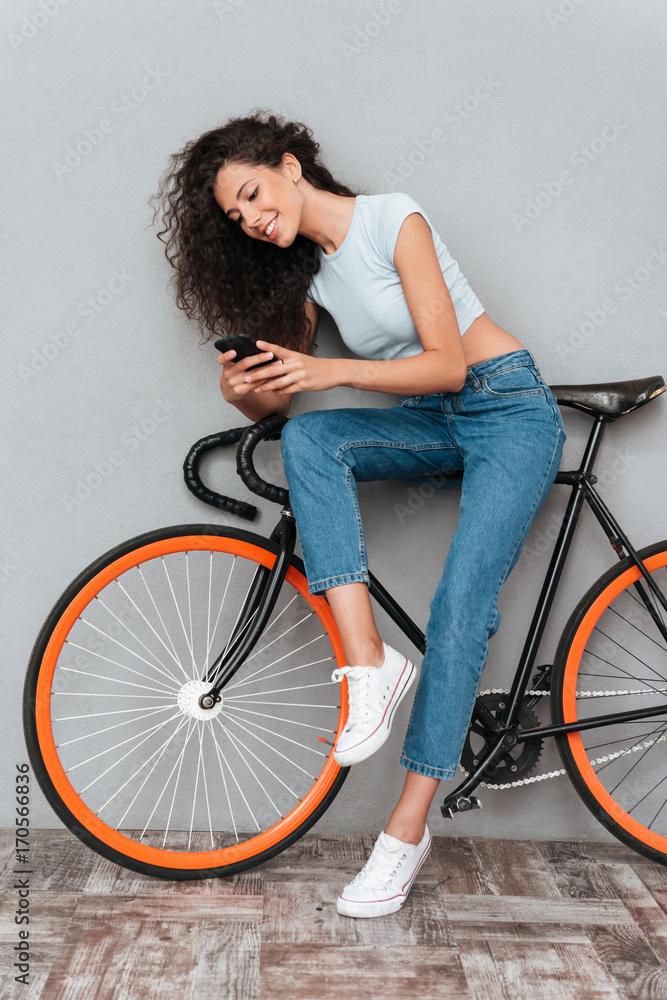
463	803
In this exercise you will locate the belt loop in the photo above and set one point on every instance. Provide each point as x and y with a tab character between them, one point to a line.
475	382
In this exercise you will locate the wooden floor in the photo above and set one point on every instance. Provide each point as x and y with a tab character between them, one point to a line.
486	919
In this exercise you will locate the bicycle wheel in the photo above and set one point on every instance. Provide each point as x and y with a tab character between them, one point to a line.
121	749
612	657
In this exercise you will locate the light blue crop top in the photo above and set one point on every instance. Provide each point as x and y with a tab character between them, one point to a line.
359	284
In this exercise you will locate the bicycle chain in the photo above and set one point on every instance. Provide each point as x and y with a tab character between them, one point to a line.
599	760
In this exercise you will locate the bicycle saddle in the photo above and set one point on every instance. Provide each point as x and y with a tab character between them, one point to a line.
610	399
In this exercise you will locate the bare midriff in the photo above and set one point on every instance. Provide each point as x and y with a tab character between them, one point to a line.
484	339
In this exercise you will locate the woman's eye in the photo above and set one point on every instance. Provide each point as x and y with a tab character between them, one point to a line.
240	218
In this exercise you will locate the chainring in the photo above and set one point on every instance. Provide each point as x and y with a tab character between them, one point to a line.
516	761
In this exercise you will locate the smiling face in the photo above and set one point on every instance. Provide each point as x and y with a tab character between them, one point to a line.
260	198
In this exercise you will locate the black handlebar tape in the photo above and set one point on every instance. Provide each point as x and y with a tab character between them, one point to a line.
268	428
196	486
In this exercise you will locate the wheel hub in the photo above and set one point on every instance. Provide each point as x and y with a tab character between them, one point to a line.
188	701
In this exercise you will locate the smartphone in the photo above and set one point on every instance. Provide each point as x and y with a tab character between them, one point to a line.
244	346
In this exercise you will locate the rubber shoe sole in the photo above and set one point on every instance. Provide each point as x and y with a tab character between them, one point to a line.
367	747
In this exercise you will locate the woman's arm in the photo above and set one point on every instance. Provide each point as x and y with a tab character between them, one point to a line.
441	367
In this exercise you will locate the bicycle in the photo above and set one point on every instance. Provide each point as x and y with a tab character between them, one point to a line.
172	741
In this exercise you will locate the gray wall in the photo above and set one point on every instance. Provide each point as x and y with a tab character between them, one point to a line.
516	91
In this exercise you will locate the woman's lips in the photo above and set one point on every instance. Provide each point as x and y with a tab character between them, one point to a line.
274	233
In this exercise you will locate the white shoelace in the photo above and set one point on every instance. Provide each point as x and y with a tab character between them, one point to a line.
380	869
360	689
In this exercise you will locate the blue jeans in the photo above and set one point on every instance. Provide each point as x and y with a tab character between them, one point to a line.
505	431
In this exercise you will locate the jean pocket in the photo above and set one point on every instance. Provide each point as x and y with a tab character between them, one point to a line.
520	380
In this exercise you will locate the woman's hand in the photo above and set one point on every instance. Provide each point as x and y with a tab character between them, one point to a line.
232	381
291	372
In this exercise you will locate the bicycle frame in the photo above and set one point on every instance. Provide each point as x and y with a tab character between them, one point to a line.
266	584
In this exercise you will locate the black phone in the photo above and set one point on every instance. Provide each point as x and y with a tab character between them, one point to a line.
244	346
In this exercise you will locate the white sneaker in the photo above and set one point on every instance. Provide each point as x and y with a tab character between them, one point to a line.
383	884
373	695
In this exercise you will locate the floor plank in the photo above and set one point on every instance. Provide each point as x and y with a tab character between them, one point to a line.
493	867
507	970
527	909
630	962
313	972
228	962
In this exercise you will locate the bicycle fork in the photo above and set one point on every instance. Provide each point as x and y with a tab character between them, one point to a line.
254	614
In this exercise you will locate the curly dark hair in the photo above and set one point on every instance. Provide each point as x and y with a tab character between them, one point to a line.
224	280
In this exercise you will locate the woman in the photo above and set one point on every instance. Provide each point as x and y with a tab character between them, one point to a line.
261	236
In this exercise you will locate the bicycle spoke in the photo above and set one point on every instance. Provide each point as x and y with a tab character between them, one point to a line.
208	609
95	694
649	593
127	722
123	666
278	718
103	753
650	824
248	680
192	640
638	759
662	678
163	671
236	740
180	617
221	758
278	673
230	718
646	795
191	729
267	645
288	739
632	625
158	754
626	673
105	677
155	633
656	605
301	687
624	739
222	602
166	630
200	764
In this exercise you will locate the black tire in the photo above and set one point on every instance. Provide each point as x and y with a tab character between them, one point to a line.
51	756
619	771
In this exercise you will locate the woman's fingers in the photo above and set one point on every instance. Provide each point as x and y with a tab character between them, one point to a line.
280	352
274	384
263	373
239	372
